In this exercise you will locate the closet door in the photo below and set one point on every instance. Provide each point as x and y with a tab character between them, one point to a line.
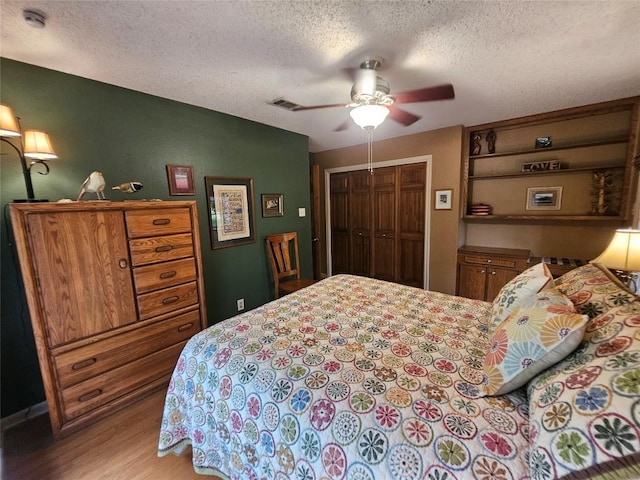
411	224
378	223
339	188
360	225
384	253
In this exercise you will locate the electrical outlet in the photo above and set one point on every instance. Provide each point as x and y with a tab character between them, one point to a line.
240	304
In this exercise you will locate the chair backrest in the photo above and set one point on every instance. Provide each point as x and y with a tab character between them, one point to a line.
283	255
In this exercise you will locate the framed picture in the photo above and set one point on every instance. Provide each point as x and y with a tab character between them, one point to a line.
272	205
181	180
231	213
443	199
544	198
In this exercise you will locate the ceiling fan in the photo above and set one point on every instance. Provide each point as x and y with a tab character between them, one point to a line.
371	100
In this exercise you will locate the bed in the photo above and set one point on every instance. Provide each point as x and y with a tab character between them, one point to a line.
356	378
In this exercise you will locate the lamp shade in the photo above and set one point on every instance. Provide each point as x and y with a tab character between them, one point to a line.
369	116
37	145
623	253
8	122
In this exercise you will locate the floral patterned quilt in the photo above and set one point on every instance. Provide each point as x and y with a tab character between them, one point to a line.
351	378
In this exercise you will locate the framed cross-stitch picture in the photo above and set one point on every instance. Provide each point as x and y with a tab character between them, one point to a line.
231	212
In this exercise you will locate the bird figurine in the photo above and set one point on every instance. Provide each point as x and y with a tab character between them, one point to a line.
93	184
128	187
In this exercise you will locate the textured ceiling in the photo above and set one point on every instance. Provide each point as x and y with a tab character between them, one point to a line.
505	59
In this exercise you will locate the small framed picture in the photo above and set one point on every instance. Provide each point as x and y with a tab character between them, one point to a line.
272	205
180	179
544	198
443	199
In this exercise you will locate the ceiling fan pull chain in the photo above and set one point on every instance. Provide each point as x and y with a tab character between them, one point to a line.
370	150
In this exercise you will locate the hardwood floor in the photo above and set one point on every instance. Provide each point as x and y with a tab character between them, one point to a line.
121	446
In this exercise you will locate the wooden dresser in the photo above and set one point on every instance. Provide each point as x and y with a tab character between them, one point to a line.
483	271
114	291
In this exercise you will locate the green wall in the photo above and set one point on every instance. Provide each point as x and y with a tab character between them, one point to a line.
129	135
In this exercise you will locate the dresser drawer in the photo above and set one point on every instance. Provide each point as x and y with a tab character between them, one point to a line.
85	362
160	249
496	261
94	392
162	275
147	223
166	300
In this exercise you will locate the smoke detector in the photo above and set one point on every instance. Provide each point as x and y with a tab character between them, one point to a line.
35	19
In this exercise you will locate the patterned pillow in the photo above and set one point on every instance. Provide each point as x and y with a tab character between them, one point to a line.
584	412
537	334
519	290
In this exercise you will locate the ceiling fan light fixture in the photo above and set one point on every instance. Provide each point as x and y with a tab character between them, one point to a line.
369	116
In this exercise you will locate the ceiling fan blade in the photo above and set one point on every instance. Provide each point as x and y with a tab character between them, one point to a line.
344	125
401	116
440	92
299	108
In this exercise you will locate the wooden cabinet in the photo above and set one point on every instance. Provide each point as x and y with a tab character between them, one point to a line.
584	174
483	271
378	223
114	291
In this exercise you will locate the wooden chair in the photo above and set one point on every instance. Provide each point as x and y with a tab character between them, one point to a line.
283	249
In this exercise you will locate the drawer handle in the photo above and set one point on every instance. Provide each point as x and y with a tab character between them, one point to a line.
184	327
164	248
169	300
488	260
123	263
161	221
90	395
164	275
84	363
493	272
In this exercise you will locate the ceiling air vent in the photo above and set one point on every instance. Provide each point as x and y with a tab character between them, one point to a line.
286	104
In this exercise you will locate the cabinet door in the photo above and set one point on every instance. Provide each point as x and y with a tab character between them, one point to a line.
360	225
384	224
472	281
81	264
339	187
496	279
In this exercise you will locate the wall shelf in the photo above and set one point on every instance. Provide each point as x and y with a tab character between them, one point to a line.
600	138
547	172
598	143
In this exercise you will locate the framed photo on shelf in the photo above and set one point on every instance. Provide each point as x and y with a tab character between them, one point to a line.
180	179
443	199
231	212
272	205
544	198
